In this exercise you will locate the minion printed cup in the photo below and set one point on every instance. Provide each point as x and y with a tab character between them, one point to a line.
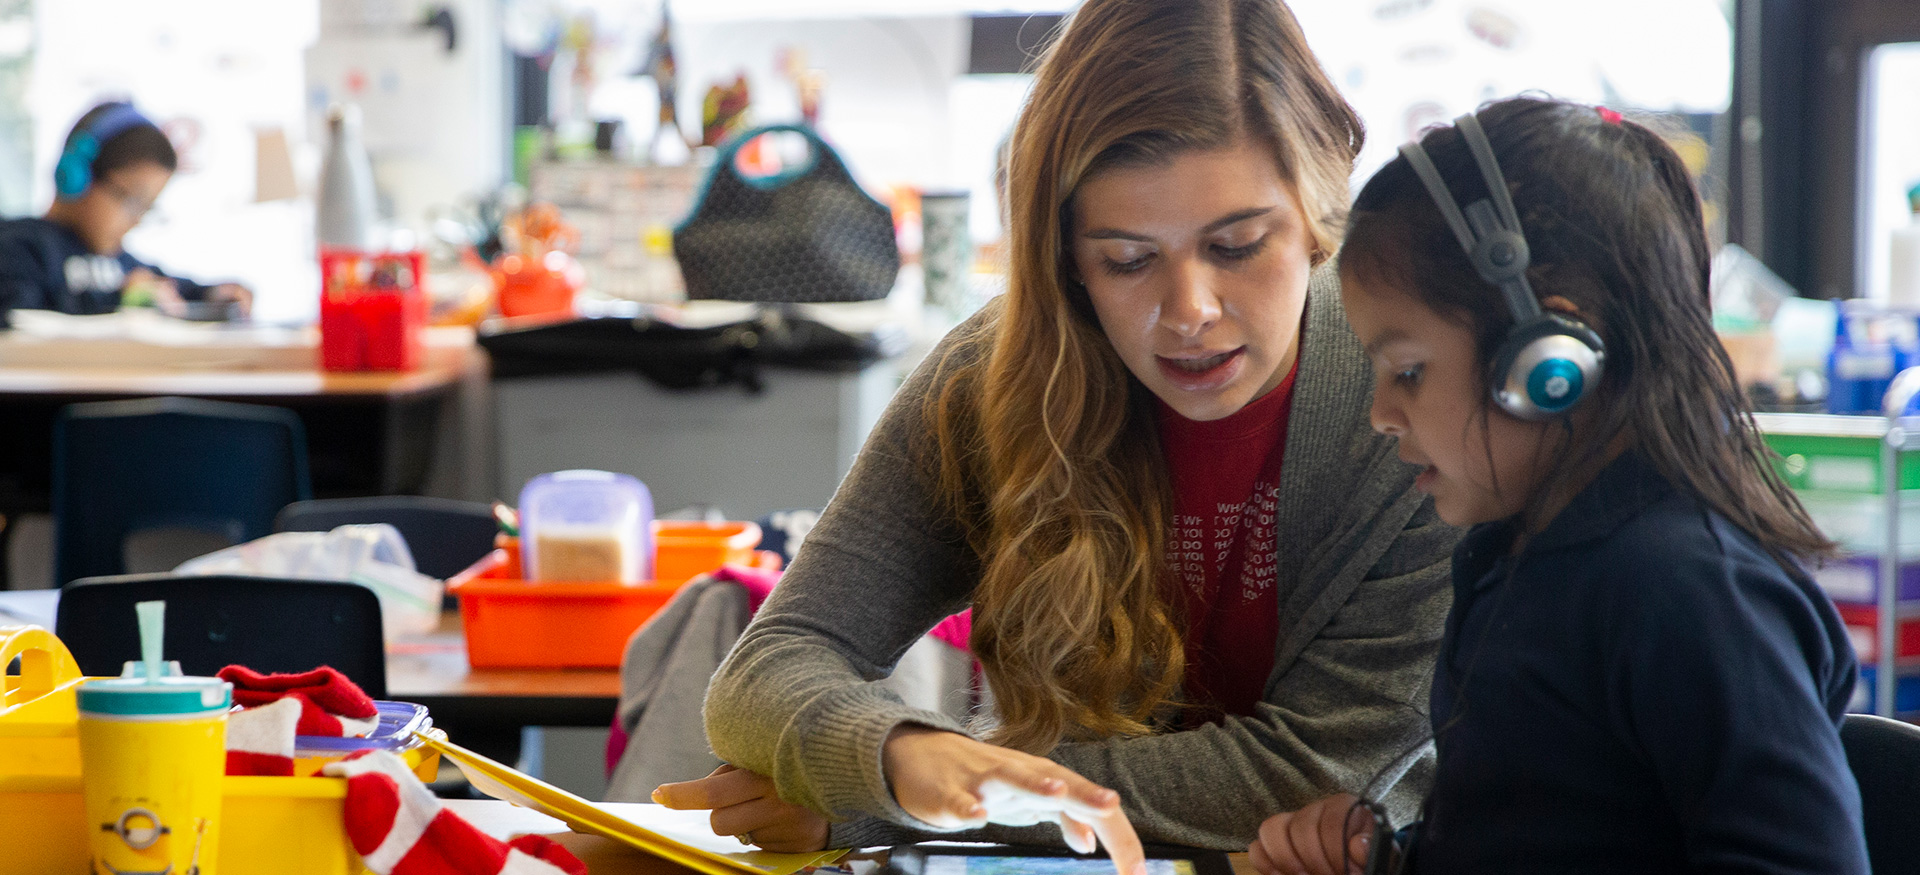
152	760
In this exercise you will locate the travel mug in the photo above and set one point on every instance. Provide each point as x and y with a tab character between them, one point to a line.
152	763
946	251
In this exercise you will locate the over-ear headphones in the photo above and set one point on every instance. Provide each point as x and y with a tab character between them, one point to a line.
74	171
1547	362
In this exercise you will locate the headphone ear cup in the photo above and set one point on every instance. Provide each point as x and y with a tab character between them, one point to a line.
74	171
1545	366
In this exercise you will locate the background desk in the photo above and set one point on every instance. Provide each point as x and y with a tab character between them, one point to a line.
485	709
368	433
426	431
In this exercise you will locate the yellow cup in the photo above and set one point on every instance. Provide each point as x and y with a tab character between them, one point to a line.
152	762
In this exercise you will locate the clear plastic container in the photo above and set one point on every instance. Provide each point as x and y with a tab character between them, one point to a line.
398	721
586	526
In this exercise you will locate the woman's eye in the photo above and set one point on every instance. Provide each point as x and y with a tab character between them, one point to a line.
1241	253
1122	268
1407	376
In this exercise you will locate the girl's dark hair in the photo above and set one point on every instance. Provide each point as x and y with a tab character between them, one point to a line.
140	144
1615	227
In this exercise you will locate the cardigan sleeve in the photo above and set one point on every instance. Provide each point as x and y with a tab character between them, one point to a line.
795	700
1351	711
1348	713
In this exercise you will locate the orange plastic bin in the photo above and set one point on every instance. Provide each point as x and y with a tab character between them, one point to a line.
516	623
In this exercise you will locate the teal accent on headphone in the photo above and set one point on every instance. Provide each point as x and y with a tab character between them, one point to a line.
73	173
1547	361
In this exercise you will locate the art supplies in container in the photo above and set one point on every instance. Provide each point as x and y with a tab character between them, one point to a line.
514	622
373	310
284	825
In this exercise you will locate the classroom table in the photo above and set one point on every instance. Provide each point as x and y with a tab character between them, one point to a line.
424	431
485	709
605	856
368	432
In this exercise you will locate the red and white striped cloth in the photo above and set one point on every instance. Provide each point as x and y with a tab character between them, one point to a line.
400	828
260	739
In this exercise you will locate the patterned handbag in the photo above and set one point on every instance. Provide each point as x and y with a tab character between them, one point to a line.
808	236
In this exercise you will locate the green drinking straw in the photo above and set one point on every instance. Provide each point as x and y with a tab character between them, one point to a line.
153	629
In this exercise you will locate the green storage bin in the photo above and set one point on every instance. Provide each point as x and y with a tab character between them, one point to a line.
1822	453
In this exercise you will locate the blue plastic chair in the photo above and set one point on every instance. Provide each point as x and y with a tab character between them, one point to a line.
445	536
121	467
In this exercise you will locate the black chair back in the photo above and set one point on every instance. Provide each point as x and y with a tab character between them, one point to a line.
1885	757
445	536
263	623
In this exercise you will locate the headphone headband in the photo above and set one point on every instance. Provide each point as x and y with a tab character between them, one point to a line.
1488	231
1546	362
116	119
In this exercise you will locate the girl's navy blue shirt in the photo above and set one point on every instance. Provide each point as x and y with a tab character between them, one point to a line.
1643	689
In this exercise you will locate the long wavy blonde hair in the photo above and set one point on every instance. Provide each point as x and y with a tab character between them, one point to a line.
1046	443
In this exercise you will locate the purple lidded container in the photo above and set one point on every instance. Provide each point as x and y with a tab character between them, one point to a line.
585	525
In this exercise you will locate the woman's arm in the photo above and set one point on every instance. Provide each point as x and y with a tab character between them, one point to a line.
1350	711
794	700
1353	702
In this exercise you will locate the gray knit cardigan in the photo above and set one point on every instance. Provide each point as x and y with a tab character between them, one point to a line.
1364	589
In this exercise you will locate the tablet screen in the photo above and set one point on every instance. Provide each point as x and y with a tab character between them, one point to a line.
953	864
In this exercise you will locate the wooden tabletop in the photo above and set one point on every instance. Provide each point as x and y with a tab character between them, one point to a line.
140	356
436	665
432	670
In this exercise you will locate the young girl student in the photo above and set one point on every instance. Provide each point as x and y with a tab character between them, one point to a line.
112	167
1637	674
1203	590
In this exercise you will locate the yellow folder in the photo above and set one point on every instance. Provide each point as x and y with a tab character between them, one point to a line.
668	838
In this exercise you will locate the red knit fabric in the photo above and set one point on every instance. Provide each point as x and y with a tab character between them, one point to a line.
260	739
323	693
1220	554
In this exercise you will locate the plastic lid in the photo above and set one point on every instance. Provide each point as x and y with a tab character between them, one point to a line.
585	498
139	697
588	503
398	722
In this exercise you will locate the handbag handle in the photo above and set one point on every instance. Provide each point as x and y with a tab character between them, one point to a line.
817	148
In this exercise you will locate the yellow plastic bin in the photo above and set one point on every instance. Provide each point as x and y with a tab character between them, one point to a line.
274	826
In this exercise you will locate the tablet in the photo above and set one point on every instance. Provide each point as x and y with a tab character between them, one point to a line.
939	859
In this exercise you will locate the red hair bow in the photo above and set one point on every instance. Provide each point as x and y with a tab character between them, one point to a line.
1607	115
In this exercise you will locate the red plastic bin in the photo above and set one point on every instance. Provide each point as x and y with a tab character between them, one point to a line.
373	310
516	623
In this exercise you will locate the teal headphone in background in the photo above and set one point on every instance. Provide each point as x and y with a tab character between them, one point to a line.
1547	362
74	171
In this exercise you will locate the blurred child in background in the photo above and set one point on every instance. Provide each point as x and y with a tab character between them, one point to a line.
113	167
